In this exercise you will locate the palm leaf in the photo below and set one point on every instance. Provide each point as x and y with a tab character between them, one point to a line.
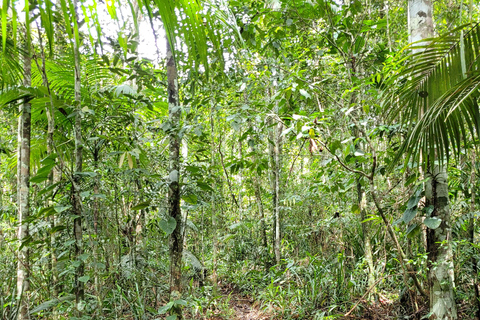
432	94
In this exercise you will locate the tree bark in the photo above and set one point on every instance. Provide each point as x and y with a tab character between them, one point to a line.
23	183
76	181
362	205
440	256
471	233
176	238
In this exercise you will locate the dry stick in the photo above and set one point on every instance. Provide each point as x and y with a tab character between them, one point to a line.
226	173
368	291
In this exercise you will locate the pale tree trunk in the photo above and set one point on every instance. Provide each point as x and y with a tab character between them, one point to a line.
23	184
275	150
176	238
213	205
440	256
278	172
76	181
362	205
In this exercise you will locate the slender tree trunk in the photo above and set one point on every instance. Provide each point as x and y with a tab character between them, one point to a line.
278	168
76	181
54	175
440	256
273	183
275	150
263	228
23	183
362	205
471	232
176	238
213	205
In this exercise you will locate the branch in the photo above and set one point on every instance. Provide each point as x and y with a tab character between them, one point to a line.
342	163
226	174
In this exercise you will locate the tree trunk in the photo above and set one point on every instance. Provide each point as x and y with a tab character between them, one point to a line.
23	183
362	205
278	168
275	150
471	233
440	257
213	206
420	20
176	238
76	189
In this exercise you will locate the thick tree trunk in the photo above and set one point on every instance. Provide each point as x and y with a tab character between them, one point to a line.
23	185
176	238
440	257
420	20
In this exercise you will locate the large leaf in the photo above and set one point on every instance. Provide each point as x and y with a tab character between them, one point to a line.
431	92
168	225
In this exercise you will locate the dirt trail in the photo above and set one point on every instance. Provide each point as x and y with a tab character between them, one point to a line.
245	308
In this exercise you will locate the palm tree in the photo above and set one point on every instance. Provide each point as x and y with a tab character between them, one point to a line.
436	92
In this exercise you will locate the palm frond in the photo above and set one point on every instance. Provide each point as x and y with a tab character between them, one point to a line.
432	94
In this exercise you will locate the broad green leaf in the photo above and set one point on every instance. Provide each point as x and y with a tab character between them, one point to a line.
52	303
168	226
165	308
190	198
409	214
411	228
60	209
84	279
432	222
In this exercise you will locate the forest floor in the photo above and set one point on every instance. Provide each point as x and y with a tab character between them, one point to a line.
243	307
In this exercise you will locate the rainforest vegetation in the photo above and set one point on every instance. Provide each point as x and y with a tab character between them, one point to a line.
239	159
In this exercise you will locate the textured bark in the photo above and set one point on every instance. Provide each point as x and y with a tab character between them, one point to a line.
420	20
362	204
23	184
440	256
176	238
275	150
76	189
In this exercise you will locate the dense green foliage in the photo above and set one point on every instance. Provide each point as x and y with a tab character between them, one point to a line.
296	116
